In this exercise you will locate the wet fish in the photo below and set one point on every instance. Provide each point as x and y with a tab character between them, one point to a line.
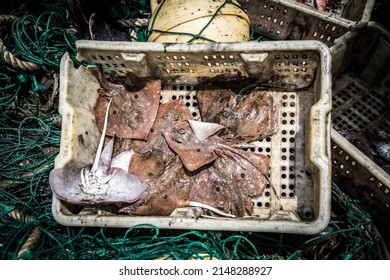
165	193
319	4
133	111
149	165
159	167
154	155
227	177
359	141
230	184
249	117
107	181
381	142
215	105
194	153
167	113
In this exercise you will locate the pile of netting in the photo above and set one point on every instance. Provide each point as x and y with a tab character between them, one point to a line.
34	36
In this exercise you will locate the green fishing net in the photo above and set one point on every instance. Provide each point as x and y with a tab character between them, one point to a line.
30	129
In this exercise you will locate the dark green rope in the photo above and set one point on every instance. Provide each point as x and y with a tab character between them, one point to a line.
45	42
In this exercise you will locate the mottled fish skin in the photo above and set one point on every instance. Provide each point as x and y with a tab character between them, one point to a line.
224	178
165	192
159	167
192	152
231	182
132	113
227	178
212	189
256	116
381	142
196	153
249	117
215	105
168	113
149	165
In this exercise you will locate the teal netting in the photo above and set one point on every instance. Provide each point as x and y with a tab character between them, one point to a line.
30	129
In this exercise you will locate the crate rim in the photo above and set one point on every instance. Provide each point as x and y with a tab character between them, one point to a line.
330	16
360	157
297	45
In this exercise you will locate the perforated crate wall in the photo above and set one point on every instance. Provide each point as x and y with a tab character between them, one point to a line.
283	19
361	104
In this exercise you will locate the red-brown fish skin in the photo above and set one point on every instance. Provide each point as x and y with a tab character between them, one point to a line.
215	105
195	153
231	182
227	178
249	117
192	152
156	165
132	113
212	189
165	192
168	113
149	165
255	117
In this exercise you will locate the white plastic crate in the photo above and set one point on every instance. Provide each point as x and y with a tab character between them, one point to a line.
362	81
298	200
287	19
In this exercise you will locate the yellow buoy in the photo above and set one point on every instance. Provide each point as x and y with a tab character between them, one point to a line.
181	21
